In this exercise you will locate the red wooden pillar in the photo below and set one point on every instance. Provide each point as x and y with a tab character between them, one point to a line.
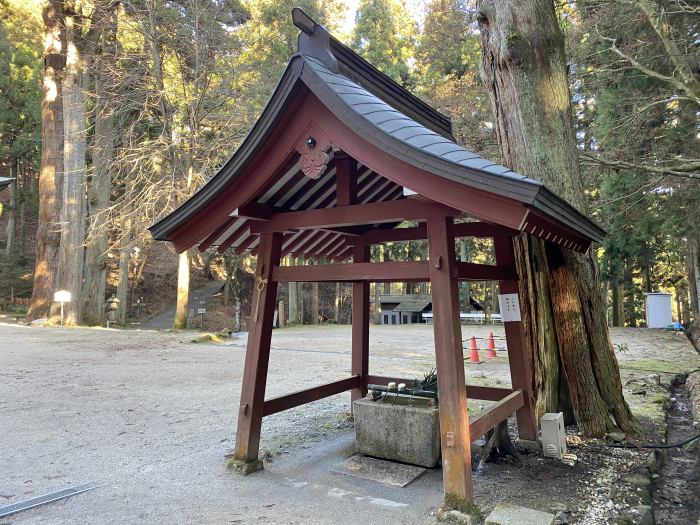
519	360
360	325
346	194
452	396
257	356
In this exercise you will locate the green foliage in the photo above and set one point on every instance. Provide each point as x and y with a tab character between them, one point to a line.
20	81
627	115
448	59
220	60
385	35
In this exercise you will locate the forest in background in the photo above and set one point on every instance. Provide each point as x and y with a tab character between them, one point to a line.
157	94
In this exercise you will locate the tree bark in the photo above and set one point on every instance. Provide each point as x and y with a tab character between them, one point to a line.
336	316
315	312
50	178
525	71
465	285
693	263
11	212
123	281
618	312
293	300
101	184
70	259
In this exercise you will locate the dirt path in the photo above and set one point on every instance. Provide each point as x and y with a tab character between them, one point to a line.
164	320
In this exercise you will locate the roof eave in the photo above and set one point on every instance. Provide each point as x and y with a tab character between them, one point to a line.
280	99
552	205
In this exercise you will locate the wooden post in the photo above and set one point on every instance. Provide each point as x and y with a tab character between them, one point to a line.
346	194
360	325
519	360
257	356
452	396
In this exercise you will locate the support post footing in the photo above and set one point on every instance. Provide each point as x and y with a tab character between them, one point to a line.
529	445
456	509
448	515
243	467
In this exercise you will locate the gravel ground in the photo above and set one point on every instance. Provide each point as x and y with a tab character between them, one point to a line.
152	416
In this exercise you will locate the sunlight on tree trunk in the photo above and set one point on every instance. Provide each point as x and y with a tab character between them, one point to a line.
183	291
99	191
50	185
70	260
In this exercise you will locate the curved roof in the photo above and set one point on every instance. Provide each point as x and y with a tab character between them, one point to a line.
372	105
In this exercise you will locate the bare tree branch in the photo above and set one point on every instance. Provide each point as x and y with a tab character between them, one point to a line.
688	170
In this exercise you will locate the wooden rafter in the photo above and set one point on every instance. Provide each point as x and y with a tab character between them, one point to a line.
372	213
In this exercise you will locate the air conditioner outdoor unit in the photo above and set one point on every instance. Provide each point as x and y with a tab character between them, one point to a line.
553	435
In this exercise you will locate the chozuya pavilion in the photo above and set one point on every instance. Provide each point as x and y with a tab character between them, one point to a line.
339	158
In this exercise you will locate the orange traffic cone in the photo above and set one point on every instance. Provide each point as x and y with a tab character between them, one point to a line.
474	357
491	352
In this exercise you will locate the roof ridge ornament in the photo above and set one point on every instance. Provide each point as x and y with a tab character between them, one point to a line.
314	39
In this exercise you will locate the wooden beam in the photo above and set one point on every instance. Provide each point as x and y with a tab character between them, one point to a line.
501	411
345	180
256	211
301	397
420	232
449	359
360	324
372	213
257	354
488	393
481	272
409	271
519	358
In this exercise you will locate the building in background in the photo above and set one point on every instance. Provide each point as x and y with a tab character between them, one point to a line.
405	308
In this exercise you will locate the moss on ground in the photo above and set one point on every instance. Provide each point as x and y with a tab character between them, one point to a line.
655	366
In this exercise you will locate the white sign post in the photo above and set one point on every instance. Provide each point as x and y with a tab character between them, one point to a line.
62	296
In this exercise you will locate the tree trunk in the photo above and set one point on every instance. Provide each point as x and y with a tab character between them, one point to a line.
617	305
525	71
123	282
300	293
183	291
293	299
336	316
315	312
465	285
101	184
70	260
27	194
50	178
11	211
693	263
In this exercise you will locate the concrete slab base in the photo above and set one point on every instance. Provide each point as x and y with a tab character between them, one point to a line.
244	468
506	514
379	470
